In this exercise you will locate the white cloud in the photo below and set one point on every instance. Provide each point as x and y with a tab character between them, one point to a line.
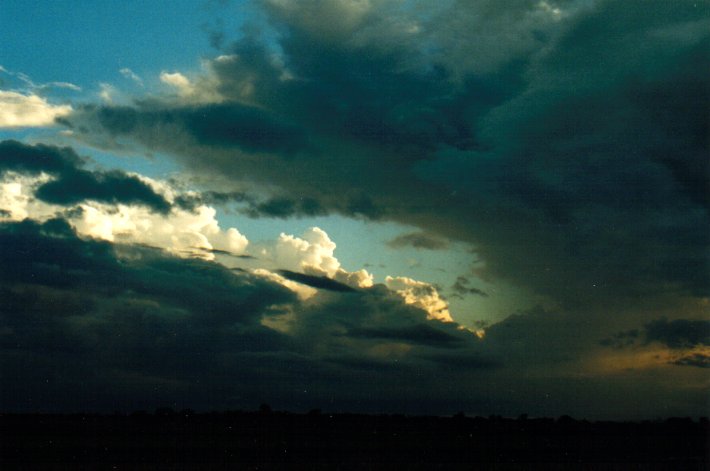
181	232
355	279
31	85
422	295
107	92
67	85
17	201
18	110
13	201
203	90
179	81
313	253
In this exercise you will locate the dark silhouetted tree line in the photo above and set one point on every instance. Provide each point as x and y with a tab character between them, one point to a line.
266	438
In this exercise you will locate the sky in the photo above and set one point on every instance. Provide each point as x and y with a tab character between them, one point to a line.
383	206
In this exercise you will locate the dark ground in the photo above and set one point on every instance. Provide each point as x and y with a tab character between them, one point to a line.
275	440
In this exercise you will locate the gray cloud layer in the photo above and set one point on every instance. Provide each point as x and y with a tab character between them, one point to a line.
578	154
418	240
679	333
88	324
72	184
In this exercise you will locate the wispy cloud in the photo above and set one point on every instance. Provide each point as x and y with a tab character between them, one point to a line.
129	74
418	240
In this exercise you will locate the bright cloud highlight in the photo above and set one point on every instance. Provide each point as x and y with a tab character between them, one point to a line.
18	110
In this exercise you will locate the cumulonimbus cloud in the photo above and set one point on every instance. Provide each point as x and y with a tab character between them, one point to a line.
541	145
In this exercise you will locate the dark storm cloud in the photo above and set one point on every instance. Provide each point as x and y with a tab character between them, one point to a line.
549	336
102	332
248	128
565	142
580	157
420	334
591	157
107	187
374	321
283	207
33	160
320	282
465	361
679	333
554	158
89	325
623	339
252	206
224	252
190	201
462	286
360	112
418	240
50	254
240	126
698	360
72	183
